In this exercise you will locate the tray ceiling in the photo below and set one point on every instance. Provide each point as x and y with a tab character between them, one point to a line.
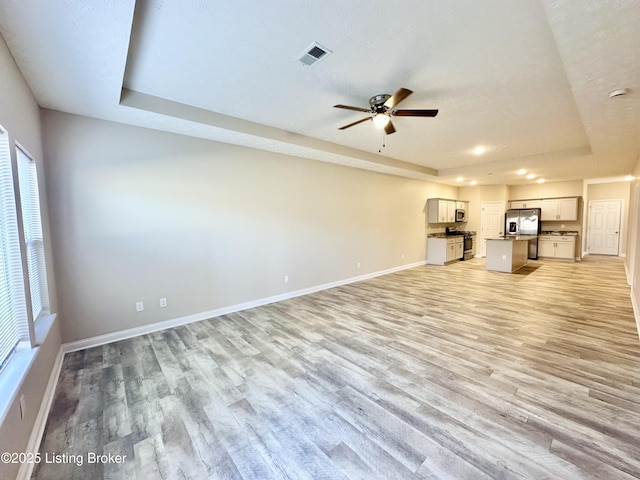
528	81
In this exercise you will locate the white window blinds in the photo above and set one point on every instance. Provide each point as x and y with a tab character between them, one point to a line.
32	224
13	313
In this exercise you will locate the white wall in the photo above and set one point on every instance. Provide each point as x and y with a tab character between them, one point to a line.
546	190
20	115
139	214
478	194
633	243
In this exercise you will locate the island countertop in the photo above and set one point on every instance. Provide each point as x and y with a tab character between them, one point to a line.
513	237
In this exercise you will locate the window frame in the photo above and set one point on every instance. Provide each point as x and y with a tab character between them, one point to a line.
29	176
19	293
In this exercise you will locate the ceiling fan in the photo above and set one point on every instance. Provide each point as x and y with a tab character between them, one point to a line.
381	106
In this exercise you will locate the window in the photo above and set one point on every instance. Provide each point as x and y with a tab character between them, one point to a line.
32	225
23	278
14	323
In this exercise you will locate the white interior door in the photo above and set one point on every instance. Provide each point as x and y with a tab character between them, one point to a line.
604	227
492	224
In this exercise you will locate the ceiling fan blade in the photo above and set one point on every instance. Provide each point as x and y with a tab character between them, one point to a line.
415	113
397	97
354	123
389	128
357	109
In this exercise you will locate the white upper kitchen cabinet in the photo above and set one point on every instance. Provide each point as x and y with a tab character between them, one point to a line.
441	211
560	209
568	209
451	211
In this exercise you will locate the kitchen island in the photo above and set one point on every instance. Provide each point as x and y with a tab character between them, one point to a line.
507	253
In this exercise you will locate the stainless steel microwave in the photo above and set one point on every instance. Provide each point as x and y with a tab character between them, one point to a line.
461	215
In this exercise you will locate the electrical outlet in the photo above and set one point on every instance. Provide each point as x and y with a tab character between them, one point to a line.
403	256
163	302
286	279
139	306
358	264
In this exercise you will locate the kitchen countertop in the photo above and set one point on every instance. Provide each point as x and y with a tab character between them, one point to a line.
513	237
460	233
552	232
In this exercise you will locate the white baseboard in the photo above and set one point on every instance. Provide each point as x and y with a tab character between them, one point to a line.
26	469
196	317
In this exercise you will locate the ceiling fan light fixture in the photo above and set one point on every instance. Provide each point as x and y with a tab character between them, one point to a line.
381	120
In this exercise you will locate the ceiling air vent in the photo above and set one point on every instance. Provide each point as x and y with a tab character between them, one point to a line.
313	54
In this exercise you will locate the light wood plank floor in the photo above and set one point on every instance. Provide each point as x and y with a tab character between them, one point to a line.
433	372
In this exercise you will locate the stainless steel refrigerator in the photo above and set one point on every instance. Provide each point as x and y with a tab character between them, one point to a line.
524	222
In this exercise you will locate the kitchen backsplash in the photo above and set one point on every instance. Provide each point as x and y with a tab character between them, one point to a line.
561	227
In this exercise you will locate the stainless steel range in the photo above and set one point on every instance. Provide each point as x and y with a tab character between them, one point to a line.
469	245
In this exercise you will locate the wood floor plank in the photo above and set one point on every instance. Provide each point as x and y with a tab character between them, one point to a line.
429	373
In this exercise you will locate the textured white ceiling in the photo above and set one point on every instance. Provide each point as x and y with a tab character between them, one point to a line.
527	79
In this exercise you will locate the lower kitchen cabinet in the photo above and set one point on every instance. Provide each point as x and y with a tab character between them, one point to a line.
442	250
557	246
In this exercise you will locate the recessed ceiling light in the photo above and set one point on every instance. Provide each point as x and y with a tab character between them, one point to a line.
459	179
473	182
531	176
618	93
540	180
522	171
479	150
